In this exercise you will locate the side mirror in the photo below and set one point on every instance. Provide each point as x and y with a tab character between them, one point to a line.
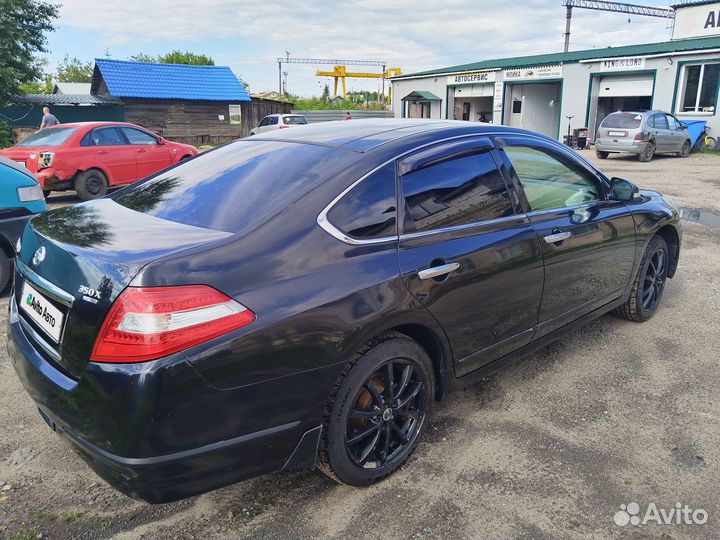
622	190
160	140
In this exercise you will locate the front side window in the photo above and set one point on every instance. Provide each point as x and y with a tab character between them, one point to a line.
272	120
548	182
672	122
137	137
264	122
369	209
700	92
458	191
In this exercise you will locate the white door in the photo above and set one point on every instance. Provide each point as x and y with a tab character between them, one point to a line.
626	86
516	113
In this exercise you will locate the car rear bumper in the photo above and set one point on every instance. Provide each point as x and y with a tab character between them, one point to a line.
630	148
135	444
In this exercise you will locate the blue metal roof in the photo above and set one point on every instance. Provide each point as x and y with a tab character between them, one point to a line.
168	81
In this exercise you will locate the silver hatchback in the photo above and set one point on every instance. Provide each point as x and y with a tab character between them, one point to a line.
644	133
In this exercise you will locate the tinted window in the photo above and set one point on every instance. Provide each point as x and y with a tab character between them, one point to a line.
660	121
548	182
272	120
622	120
368	210
263	122
455	192
135	136
107	136
295	120
49	137
235	187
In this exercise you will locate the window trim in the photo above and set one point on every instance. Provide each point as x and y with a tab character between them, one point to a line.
496	137
679	94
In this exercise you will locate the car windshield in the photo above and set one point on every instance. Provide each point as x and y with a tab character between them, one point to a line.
622	120
49	137
236	187
295	120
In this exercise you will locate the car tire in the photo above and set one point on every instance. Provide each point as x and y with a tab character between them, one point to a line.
5	271
602	155
91	184
685	150
649	283
647	153
371	427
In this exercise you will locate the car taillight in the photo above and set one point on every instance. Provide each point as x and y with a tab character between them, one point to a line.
45	160
640	136
146	323
283	126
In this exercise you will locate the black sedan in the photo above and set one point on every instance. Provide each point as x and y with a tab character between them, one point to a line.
302	298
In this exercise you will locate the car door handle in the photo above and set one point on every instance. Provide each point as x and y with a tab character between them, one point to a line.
437	271
141	151
557	237
102	151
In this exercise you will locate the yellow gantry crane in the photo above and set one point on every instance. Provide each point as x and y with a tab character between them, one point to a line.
340	73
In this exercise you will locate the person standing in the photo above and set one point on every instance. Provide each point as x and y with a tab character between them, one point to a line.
48	119
347	116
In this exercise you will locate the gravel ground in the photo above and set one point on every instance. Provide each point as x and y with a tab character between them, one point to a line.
551	447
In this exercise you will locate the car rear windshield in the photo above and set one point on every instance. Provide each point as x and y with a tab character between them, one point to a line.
234	188
622	120
49	137
295	120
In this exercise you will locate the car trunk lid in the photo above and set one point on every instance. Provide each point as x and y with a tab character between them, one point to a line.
76	260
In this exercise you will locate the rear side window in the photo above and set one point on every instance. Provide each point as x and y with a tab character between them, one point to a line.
660	121
459	191
622	120
295	120
106	136
369	209
236	187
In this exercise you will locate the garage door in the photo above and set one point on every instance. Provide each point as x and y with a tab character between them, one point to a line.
626	85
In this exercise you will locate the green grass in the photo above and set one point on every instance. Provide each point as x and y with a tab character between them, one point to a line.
25	534
68	516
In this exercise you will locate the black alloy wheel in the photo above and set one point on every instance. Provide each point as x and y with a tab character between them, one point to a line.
378	411
649	283
386	416
654	281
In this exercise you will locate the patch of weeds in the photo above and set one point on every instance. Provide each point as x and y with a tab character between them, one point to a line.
47	515
25	534
68	516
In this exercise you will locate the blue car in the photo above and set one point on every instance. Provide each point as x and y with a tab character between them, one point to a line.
20	198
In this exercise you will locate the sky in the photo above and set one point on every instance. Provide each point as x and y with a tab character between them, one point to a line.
412	35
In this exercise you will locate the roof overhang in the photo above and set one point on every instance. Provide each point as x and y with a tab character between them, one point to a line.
421	95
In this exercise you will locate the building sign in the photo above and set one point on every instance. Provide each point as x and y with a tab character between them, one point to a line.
697	21
532	73
235	114
498	98
623	64
472	77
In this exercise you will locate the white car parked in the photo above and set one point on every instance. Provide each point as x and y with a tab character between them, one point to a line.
279	121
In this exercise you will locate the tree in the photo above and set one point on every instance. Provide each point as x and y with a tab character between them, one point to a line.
23	25
38	86
176	57
74	70
326	93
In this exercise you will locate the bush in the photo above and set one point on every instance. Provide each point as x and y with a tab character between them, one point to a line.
5	135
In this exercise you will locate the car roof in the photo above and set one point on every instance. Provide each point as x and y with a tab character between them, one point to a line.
364	135
92	125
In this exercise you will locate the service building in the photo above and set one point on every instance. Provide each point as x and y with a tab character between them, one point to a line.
540	92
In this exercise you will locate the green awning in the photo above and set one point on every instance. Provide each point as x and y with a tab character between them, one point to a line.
421	95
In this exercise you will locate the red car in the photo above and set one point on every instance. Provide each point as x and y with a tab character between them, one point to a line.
89	157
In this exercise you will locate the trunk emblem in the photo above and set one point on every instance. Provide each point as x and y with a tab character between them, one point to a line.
39	256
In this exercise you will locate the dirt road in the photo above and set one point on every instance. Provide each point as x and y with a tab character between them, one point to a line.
551	447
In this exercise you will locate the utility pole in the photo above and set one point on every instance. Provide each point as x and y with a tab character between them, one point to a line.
568	19
617	7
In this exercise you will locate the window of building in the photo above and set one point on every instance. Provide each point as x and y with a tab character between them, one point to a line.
459	191
700	90
369	209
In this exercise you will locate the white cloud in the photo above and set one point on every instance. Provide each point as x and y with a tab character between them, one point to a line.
406	33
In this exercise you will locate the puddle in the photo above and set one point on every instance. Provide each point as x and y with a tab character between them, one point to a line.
698	215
